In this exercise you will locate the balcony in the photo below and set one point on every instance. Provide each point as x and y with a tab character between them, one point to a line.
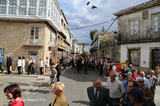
143	36
32	42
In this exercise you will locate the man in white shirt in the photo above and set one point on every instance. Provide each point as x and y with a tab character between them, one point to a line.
116	89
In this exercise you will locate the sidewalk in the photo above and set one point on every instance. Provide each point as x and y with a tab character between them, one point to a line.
26	82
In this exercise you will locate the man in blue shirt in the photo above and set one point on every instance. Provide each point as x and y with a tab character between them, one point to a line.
1	62
146	81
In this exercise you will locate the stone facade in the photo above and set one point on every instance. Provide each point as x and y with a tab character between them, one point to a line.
33	32
100	44
139	34
15	39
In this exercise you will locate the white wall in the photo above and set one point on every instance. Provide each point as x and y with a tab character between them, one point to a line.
145	49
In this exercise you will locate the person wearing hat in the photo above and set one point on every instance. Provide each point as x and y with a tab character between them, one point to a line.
59	99
136	96
148	95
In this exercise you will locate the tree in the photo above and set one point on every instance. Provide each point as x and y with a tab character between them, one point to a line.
103	30
92	33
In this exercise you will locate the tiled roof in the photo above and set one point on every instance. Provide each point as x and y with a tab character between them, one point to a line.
139	7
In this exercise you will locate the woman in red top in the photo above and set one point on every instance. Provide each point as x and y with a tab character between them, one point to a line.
134	75
118	69
13	93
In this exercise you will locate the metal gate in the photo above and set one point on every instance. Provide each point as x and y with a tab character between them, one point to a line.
155	58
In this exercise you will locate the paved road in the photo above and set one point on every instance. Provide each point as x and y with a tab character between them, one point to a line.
35	88
75	89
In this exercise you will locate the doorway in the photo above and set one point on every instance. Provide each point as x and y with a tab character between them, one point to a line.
155	58
134	57
34	55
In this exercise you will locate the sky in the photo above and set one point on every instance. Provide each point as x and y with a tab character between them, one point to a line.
79	14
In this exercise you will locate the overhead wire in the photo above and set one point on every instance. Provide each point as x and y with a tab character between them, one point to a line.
23	10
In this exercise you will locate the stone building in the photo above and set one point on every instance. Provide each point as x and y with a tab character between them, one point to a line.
31	27
109	46
139	34
97	45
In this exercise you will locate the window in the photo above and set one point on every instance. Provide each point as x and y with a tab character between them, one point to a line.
155	23
32	7
2	9
32	3
12	7
32	11
12	2
62	22
34	35
23	11
23	3
12	10
49	13
23	7
50	36
42	12
2	2
42	8
42	3
134	27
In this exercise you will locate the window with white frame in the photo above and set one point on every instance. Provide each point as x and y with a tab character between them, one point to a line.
32	3
42	12
42	8
34	35
12	7
23	7
32	7
3	7
156	23
23	2
134	27
42	3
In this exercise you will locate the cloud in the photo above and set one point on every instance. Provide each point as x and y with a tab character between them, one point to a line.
79	14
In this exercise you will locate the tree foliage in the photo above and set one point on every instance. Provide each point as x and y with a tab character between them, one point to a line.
103	30
92	33
105	40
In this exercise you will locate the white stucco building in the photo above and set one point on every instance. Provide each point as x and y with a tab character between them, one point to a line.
139	35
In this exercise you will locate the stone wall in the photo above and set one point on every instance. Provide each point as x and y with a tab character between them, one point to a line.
15	37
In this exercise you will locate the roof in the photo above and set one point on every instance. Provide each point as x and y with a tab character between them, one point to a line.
102	33
139	7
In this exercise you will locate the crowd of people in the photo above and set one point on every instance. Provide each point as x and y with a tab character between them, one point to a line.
127	86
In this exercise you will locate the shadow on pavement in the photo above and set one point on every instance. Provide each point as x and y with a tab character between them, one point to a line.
82	77
82	102
39	91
